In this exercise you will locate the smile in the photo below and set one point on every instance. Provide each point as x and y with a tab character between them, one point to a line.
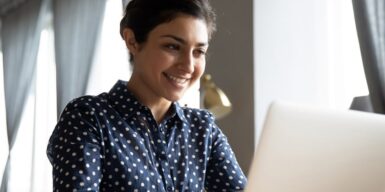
176	79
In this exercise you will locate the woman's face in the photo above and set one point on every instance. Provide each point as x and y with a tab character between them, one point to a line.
172	59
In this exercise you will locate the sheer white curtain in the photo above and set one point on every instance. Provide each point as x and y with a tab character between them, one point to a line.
20	35
3	131
29	163
111	55
6	5
76	26
45	117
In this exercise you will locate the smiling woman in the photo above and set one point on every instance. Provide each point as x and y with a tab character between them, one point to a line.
137	137
170	62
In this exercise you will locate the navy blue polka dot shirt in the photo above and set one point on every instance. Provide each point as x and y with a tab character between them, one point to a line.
111	142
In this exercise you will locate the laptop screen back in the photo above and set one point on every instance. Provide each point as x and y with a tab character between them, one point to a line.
305	149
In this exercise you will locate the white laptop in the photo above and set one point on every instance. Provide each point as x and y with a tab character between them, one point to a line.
304	149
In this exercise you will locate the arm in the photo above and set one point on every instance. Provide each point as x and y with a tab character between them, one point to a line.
223	171
74	151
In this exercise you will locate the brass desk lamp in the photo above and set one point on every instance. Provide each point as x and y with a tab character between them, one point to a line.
213	98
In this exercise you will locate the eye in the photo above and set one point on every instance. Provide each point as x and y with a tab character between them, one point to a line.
171	46
199	52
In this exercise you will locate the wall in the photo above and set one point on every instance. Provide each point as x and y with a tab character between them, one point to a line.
230	62
306	51
287	53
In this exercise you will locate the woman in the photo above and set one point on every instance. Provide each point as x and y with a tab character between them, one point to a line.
136	137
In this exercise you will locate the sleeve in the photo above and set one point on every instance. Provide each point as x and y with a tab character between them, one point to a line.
223	171
74	151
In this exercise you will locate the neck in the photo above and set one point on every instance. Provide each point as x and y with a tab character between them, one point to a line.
159	112
157	105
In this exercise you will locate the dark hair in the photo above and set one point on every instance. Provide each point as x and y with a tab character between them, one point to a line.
142	16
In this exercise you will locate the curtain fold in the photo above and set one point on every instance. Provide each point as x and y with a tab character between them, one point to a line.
370	23
3	131
20	37
7	5
77	26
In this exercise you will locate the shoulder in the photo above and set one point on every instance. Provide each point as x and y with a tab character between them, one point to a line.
197	113
87	103
82	115
194	115
85	109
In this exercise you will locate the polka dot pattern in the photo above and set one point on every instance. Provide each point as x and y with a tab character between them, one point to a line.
111	142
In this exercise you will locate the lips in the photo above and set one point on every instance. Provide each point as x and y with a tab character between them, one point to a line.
178	80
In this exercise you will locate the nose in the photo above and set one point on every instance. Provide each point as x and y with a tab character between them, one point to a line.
187	62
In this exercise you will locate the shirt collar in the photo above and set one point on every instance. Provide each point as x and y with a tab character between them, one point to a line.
126	103
178	111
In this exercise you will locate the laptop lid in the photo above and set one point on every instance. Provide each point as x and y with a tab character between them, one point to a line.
305	149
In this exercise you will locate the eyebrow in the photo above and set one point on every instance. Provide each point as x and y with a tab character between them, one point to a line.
180	40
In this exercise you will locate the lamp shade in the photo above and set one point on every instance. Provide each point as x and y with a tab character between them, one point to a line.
213	98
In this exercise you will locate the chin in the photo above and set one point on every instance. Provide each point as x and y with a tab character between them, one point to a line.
175	97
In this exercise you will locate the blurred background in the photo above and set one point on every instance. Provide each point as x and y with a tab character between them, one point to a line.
304	51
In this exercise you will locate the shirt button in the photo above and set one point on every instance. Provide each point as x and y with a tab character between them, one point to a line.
169	188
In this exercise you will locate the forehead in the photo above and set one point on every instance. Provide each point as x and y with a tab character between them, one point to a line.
188	28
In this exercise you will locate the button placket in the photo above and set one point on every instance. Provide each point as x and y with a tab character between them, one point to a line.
164	162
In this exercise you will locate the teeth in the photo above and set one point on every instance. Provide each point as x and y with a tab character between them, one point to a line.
176	79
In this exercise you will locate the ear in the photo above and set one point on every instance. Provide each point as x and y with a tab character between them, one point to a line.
129	38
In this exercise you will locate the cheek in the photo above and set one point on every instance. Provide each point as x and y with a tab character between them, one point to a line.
154	62
199	69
